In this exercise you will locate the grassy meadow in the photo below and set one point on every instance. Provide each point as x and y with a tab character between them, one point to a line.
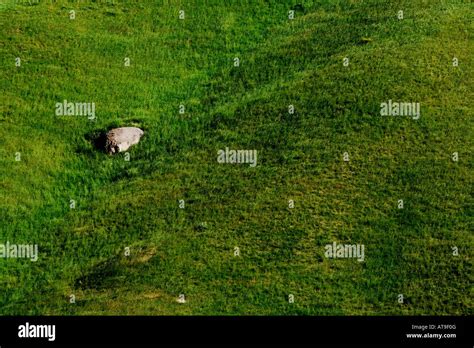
184	90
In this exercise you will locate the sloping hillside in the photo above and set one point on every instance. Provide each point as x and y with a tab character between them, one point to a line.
305	93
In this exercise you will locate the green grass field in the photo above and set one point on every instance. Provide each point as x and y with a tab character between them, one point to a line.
135	204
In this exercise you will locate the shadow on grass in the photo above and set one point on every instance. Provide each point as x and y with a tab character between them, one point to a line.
97	278
97	139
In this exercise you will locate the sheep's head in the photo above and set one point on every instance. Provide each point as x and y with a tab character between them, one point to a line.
112	149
